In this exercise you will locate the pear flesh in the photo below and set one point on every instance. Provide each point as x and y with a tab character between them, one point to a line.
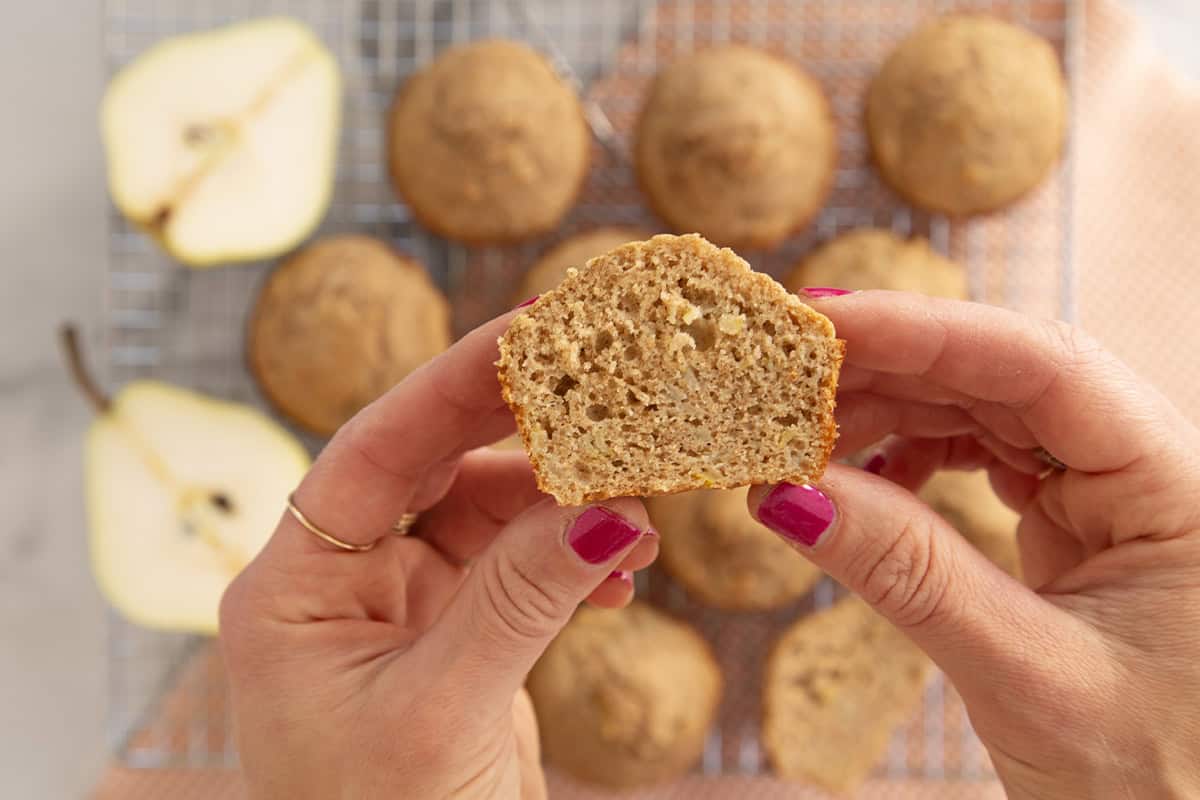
182	492
222	144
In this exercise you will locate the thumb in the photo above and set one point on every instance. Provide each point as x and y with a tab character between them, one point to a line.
524	588
888	547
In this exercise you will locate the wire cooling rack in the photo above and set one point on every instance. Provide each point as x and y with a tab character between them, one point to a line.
167	693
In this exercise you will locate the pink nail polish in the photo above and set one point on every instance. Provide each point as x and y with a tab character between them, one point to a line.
599	534
875	464
623	575
817	292
530	301
799	514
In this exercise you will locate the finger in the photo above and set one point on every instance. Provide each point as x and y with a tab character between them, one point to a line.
529	751
370	473
491	489
643	553
522	590
1047	549
615	592
1015	489
881	542
864	419
1079	402
899	387
909	462
404	582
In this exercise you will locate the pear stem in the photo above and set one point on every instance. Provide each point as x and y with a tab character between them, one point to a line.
69	336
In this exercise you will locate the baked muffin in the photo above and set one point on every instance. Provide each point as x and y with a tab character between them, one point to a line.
669	365
575	251
872	258
488	144
337	324
723	556
737	145
837	685
967	114
967	502
625	697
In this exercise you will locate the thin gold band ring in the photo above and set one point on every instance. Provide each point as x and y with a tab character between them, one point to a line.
401	528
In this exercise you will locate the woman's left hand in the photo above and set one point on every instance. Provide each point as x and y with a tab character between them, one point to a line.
397	672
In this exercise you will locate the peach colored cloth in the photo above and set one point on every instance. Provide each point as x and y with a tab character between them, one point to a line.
1137	188
1137	197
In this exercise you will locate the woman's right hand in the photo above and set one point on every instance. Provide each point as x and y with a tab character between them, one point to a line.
1088	683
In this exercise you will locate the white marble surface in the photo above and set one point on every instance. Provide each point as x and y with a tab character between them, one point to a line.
52	241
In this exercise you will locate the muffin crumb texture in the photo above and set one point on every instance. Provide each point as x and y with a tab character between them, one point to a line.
669	365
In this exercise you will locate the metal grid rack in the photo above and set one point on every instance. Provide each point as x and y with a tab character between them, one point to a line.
167	696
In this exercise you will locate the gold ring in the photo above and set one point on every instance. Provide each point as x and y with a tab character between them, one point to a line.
402	526
322	535
1049	459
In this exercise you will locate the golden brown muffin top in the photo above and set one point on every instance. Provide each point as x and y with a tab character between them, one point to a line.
487	143
625	697
723	556
338	324
872	258
736	145
967	114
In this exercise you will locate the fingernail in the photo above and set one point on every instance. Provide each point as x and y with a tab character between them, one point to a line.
799	514
623	575
875	464
599	534
824	291
530	301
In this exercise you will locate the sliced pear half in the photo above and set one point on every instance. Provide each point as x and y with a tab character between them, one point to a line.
182	492
222	144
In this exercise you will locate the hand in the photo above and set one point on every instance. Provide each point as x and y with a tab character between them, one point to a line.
397	672
1087	684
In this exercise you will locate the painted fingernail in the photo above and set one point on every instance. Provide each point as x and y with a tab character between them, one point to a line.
824	291
530	301
623	575
799	514
599	534
875	464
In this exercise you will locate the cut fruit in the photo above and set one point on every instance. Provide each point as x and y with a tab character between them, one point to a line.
182	492
222	144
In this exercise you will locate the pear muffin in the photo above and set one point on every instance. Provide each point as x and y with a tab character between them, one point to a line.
873	258
737	145
488	144
723	556
670	365
837	684
967	114
625	697
574	251
338	324
967	502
